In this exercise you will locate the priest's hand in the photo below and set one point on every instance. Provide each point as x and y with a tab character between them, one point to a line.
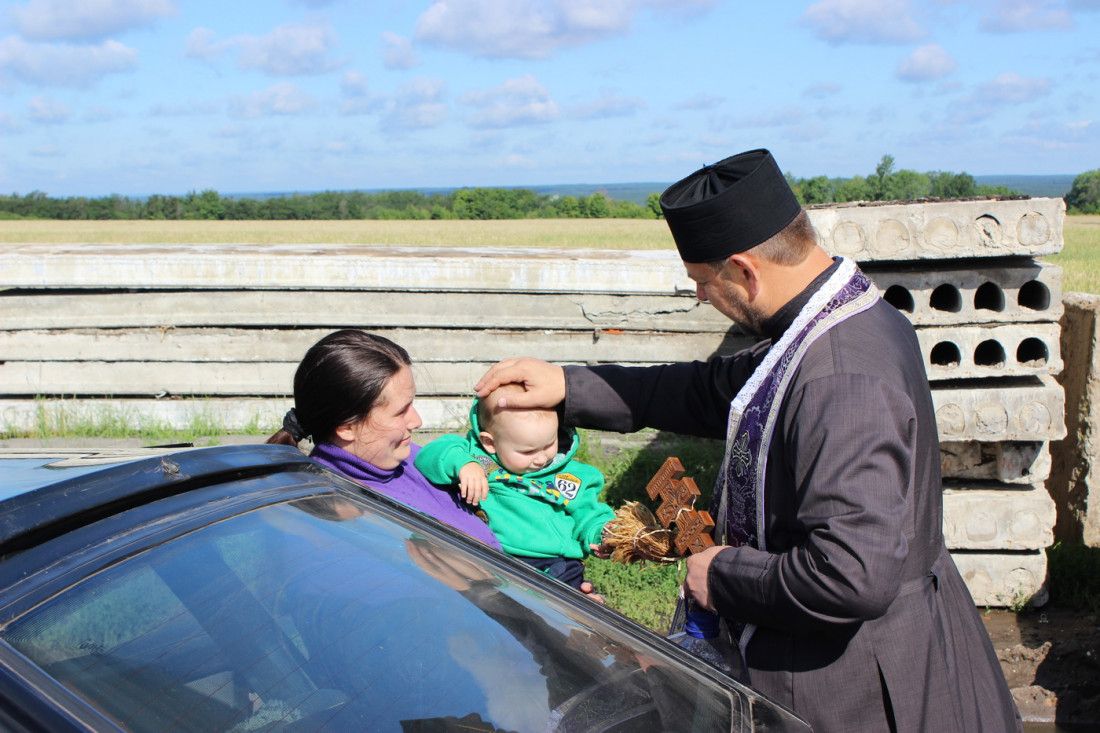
695	585
543	383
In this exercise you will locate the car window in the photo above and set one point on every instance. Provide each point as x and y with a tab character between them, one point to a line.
322	615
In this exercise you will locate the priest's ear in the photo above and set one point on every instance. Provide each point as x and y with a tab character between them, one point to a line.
744	269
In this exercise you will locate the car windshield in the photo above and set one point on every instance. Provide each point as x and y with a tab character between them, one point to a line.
322	614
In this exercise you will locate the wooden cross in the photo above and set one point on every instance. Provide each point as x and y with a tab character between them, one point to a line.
678	495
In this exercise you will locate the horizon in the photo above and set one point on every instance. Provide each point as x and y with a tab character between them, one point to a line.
307	95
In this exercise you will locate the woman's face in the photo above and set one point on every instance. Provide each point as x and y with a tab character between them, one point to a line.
383	438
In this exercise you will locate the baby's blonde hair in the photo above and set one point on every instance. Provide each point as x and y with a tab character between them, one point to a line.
489	409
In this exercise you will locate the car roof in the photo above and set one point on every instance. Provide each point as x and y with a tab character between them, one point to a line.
78	491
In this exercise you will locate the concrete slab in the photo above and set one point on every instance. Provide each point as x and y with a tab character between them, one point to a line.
1008	579
342	267
1008	462
1075	475
941	230
367	309
978	352
947	294
999	411
981	518
427	345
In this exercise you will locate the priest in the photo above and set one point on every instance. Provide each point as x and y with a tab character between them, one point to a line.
830	572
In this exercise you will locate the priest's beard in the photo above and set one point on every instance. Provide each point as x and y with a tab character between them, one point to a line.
747	316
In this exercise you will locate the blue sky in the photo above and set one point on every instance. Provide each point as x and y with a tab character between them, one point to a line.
167	96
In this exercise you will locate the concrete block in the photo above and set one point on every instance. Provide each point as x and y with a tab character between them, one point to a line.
976	352
995	412
946	294
1008	579
991	519
366	308
258	345
1075	475
941	230
1008	462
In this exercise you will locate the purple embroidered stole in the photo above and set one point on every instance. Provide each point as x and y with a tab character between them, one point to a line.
738	505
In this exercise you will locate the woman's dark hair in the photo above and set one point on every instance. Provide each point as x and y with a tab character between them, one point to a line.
340	380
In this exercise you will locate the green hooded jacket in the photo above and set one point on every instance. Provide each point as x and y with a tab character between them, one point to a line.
552	512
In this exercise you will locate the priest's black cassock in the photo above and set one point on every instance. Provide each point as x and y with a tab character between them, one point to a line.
863	622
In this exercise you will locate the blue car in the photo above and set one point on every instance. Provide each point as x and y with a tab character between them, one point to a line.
244	588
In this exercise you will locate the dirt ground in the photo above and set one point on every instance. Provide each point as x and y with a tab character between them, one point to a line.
1051	660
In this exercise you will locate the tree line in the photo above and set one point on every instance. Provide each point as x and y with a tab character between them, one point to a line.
465	203
884	184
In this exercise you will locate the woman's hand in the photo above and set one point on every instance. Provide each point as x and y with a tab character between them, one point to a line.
473	486
543	383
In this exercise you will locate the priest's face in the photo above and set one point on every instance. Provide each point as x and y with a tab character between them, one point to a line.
719	286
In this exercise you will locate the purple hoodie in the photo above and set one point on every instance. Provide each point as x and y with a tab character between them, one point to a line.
406	485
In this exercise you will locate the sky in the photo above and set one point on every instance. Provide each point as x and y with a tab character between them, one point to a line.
167	96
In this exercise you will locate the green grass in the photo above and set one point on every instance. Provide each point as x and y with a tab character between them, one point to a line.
1074	575
645	592
108	422
1080	258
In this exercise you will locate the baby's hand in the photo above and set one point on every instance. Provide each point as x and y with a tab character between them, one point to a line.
472	484
602	550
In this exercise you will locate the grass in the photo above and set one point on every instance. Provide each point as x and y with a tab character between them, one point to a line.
555	233
1080	258
108	422
1074	574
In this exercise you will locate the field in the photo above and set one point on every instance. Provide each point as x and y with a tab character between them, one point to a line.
564	233
1080	259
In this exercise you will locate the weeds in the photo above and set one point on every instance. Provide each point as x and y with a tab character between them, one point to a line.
1074	573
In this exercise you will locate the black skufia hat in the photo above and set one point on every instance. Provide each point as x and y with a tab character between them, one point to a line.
728	207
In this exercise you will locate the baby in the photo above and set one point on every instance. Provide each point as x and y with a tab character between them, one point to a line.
542	505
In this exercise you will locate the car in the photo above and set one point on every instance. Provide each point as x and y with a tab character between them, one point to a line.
245	588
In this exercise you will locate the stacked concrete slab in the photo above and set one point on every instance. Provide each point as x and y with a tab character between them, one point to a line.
179	335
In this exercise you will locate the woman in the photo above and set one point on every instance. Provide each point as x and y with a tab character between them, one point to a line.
353	393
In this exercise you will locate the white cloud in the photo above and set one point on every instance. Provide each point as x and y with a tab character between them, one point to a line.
279	99
8	123
397	52
46	151
189	108
520	101
46	111
821	90
862	21
353	84
418	105
202	44
1012	88
1023	16
63	64
608	105
51	20
289	50
356	94
927	63
699	102
532	29
996	94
